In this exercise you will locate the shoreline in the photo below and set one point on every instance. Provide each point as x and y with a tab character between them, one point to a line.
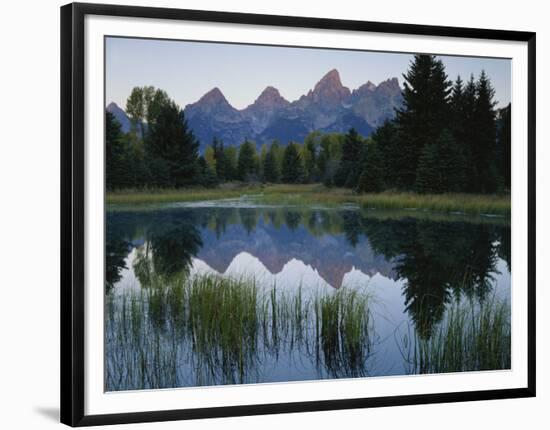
311	194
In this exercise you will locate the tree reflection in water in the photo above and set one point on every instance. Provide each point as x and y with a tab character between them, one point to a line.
224	331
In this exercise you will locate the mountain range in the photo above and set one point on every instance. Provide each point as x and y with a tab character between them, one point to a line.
328	107
330	256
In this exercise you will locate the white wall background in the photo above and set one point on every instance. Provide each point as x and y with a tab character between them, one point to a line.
29	217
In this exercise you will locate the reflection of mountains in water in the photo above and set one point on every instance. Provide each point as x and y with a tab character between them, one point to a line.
331	256
295	273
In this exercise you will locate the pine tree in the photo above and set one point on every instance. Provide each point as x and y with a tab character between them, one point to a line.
329	157
116	163
292	170
371	177
230	163
458	122
441	166
386	138
349	169
247	168
138	172
220	158
424	114
261	161
458	128
271	170
505	145
310	151
427	176
485	149
469	137
451	162
172	146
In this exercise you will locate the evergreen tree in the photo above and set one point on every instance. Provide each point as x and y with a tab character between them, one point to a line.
310	151
371	177
329	156
172	146
247	168
485	149
461	101
261	161
451	162
230	163
205	175
428	178
424	114
292	170
116	162
349	169
220	159
458	123
386	138
469	134
278	151
270	168
138	171
441	166
505	144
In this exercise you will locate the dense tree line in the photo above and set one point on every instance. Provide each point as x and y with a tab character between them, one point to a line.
159	151
447	137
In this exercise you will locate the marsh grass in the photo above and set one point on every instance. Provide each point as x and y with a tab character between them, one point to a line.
470	338
342	325
445	203
207	330
315	194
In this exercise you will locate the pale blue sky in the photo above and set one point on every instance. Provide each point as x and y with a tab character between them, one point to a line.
187	70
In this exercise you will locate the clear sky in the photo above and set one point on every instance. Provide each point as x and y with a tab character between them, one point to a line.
187	70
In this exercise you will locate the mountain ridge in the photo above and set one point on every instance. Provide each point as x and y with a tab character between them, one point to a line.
329	107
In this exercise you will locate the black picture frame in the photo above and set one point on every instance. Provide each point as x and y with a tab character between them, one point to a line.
73	210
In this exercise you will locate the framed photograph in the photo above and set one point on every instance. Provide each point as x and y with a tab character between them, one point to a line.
269	214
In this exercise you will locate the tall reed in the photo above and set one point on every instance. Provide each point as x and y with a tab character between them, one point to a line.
206	330
470	338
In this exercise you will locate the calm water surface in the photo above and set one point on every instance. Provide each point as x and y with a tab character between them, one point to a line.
412	270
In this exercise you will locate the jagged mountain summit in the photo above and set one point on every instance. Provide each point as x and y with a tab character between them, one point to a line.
329	107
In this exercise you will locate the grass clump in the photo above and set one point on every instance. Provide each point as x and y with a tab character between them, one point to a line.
469	339
223	325
206	330
343	331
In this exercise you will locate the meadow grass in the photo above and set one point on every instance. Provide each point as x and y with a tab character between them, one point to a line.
317	194
470	338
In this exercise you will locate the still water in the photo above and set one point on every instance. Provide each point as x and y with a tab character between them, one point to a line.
209	294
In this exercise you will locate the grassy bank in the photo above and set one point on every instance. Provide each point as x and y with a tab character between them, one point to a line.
312	194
